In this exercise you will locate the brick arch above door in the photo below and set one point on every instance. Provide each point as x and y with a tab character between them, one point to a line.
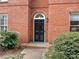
40	11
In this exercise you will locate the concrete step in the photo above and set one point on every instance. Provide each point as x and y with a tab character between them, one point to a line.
36	45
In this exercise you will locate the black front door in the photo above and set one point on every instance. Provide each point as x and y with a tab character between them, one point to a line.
39	30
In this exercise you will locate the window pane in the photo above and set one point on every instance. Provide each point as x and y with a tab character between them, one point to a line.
74	18
5	29
74	28
39	16
1	17
74	23
2	28
5	20
2	21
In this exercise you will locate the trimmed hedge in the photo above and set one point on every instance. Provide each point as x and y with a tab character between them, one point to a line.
66	46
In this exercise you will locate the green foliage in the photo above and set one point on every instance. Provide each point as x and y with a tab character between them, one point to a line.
8	39
66	46
19	56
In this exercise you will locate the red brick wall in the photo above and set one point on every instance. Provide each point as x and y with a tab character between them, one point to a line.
18	2
39	3
18	21
63	1
21	13
18	16
59	20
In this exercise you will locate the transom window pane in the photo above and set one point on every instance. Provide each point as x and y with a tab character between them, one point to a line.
39	16
74	22
3	22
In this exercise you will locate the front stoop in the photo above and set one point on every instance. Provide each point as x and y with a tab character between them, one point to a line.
36	45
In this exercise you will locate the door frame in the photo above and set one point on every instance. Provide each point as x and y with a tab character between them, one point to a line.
34	18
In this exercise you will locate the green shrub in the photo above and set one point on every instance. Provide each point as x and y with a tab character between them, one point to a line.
8	39
66	46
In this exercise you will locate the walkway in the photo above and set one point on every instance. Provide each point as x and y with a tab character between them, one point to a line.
33	53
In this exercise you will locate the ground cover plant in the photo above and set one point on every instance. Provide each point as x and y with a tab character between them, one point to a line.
66	46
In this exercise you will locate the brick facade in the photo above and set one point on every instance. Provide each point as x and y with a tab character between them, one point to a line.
21	16
59	16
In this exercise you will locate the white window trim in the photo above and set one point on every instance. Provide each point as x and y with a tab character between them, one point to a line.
3	0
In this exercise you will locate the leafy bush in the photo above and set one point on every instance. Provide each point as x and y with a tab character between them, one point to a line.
8	39
66	46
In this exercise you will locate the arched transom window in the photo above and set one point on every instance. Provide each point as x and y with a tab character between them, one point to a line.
39	16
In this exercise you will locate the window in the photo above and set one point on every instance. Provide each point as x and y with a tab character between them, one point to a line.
3	0
39	16
74	22
3	22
